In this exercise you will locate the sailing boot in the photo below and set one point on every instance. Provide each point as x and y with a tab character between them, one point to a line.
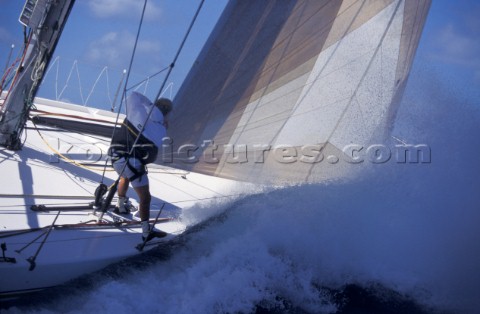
120	208
149	233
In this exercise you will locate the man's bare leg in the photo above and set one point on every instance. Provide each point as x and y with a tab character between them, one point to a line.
122	189
144	208
144	196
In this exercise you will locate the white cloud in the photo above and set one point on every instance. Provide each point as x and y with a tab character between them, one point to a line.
123	8
115	49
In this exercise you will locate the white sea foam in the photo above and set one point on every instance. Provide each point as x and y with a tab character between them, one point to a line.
417	237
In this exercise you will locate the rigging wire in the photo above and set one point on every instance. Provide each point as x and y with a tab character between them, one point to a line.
9	57
170	68
179	49
160	91
7	68
27	39
148	78
104	70
126	80
118	90
73	197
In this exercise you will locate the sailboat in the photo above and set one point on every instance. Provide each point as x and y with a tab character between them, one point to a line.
283	92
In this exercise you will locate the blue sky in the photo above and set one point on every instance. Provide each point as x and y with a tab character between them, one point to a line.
98	41
450	44
101	33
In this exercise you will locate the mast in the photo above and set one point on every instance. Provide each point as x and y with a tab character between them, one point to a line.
45	20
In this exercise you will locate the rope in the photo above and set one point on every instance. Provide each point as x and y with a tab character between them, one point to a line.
63	156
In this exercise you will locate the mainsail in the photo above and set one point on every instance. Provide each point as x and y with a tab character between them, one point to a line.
282	89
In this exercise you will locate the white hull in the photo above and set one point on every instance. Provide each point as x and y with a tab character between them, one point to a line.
69	253
76	244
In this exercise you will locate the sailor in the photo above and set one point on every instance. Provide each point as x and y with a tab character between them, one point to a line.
131	164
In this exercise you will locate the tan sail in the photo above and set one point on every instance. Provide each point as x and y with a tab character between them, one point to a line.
284	88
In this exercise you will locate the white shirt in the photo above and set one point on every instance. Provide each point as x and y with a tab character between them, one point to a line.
138	106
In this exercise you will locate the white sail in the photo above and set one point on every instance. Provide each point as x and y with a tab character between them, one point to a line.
284	87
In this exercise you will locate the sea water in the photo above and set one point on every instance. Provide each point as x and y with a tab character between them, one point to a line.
402	238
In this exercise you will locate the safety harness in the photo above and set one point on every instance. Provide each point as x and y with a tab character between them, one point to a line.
137	173
145	151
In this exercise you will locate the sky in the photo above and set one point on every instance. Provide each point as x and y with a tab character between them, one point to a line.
450	45
98	39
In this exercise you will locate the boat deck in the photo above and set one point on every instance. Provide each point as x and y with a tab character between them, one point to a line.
60	169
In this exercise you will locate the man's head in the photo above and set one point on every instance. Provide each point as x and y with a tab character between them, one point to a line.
165	105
